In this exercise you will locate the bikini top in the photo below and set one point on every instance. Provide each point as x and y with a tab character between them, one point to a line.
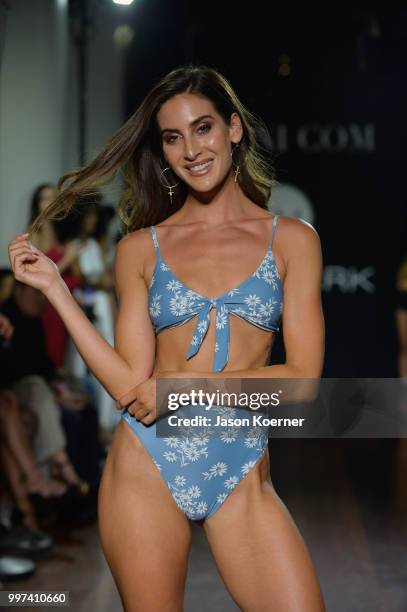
258	300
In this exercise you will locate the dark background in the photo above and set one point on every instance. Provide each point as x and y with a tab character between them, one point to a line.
337	121
329	80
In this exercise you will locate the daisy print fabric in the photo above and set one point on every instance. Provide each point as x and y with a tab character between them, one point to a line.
258	300
201	470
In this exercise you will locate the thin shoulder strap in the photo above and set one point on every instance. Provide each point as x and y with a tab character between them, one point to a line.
273	229
155	239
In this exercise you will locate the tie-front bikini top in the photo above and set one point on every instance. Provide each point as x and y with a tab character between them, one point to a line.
258	300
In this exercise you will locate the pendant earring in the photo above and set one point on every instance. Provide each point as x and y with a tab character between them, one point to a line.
169	188
237	171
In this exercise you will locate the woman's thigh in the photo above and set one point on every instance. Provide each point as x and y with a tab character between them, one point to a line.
259	551
145	536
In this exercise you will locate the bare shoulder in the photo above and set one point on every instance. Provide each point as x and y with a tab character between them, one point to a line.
297	236
131	251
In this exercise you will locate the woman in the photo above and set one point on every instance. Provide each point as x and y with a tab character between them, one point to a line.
65	256
195	170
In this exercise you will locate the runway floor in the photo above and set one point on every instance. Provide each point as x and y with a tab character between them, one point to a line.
349	500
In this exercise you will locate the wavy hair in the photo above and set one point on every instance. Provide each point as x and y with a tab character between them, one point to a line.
135	151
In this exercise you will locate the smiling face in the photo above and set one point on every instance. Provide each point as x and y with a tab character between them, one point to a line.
196	141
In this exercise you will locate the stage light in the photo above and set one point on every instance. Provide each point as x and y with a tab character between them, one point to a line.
125	2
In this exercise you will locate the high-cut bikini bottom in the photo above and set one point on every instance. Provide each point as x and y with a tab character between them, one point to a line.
201	470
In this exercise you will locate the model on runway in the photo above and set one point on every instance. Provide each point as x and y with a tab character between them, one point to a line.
204	276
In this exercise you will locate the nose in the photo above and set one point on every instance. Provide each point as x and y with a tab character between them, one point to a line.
191	148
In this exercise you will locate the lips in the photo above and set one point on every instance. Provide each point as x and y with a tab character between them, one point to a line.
199	169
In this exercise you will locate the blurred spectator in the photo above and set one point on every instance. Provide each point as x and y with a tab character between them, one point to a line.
95	295
26	481
27	370
50	240
17	458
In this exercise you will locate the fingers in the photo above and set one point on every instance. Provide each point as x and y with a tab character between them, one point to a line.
20	243
21	246
140	413
21	257
24	250
148	419
127	398
136	410
18	240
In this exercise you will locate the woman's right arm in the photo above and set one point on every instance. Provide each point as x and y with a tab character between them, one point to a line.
131	362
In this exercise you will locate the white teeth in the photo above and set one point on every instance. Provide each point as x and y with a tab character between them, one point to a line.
200	167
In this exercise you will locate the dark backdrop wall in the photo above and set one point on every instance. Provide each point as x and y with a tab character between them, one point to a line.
3	14
330	85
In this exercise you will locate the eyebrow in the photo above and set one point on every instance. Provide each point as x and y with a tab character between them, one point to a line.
192	123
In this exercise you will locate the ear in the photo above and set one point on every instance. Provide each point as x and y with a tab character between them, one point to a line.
236	128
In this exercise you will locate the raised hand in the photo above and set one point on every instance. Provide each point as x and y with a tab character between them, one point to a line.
30	265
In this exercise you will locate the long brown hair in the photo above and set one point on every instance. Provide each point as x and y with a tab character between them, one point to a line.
135	151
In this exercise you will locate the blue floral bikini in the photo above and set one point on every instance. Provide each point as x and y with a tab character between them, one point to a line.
202	470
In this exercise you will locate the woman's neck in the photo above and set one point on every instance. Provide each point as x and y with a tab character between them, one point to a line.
225	203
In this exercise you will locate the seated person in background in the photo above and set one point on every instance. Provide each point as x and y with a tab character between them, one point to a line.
26	368
17	460
25	480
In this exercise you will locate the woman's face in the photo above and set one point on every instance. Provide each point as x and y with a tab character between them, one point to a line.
90	222
47	196
196	141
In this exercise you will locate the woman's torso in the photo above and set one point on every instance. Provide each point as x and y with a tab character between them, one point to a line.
213	261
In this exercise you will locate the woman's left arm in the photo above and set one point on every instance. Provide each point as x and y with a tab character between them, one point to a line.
303	320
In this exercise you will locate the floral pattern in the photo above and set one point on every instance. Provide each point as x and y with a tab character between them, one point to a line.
257	300
201	469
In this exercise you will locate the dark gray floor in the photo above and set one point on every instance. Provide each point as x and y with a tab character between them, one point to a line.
349	500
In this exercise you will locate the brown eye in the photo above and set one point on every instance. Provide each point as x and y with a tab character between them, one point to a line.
170	139
204	128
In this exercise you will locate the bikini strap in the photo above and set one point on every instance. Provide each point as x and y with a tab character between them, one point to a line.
155	239
273	229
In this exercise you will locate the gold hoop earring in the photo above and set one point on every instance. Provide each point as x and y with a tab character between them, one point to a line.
169	188
237	171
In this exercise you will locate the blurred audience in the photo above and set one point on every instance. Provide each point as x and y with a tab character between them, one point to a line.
17	458
53	413
96	294
51	240
65	444
28	370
